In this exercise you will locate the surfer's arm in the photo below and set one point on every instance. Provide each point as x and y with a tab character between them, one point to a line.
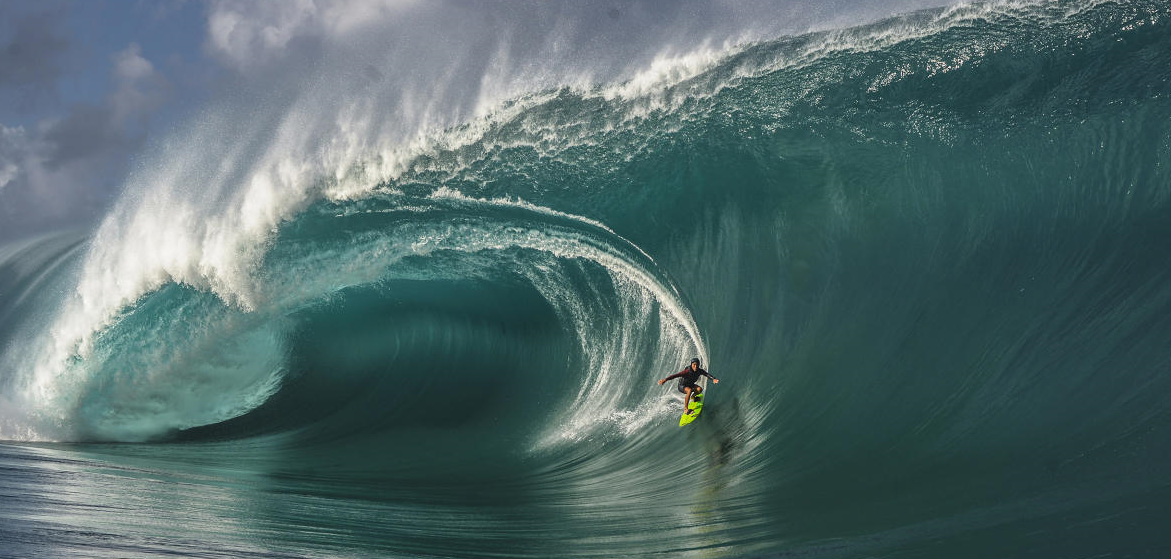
676	375
709	375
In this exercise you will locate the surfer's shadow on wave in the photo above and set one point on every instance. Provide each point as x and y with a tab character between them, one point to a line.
721	430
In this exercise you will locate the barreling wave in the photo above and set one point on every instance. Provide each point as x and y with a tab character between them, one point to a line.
180	357
923	254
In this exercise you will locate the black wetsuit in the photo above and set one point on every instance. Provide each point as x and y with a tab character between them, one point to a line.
688	377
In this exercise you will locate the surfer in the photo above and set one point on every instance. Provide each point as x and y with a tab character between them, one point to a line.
688	381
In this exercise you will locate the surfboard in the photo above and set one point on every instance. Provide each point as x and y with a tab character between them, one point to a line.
693	410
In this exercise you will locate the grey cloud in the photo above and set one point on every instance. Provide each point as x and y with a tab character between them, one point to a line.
32	51
39	196
65	170
86	132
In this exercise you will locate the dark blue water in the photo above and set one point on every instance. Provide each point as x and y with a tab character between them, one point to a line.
927	257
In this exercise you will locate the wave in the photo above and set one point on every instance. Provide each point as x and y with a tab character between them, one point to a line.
921	254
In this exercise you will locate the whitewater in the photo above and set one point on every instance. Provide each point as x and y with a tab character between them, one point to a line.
926	256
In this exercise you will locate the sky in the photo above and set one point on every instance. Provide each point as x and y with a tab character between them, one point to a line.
82	87
93	93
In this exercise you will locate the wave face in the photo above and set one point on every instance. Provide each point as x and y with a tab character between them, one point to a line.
927	258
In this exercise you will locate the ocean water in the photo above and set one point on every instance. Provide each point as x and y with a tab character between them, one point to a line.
928	258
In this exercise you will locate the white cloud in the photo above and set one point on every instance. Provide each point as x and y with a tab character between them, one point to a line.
7	173
14	149
139	89
130	65
244	33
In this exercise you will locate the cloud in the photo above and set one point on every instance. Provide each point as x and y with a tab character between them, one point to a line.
8	171
243	34
87	131
139	91
48	184
66	169
130	65
32	50
13	147
32	55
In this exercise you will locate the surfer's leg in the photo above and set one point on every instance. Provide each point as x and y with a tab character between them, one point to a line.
686	398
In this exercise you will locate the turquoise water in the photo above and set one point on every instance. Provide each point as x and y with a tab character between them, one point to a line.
927	257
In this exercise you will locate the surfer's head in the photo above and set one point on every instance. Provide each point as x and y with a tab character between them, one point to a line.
695	363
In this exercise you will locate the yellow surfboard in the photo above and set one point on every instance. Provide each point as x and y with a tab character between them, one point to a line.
693	410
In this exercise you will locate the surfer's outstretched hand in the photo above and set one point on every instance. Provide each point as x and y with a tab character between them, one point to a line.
660	382
716	380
